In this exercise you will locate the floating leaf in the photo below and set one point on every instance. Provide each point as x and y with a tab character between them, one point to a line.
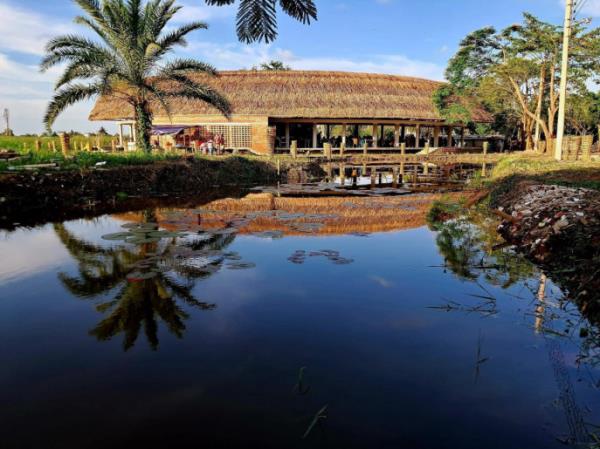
117	236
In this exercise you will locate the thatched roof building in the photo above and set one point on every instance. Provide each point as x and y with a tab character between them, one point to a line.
295	103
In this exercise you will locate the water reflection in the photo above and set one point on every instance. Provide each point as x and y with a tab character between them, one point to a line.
146	282
350	327
471	248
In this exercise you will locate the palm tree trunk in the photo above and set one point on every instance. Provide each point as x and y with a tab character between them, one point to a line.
143	124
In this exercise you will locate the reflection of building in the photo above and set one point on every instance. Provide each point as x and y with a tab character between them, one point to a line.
333	216
271	109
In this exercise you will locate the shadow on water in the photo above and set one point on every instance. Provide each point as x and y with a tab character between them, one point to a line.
151	279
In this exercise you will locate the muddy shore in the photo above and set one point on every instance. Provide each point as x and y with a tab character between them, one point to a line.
59	194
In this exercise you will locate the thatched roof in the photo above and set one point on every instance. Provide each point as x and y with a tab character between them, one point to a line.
305	94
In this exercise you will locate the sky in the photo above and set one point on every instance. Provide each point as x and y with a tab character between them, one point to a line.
405	37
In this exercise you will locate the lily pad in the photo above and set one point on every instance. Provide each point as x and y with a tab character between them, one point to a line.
117	236
240	265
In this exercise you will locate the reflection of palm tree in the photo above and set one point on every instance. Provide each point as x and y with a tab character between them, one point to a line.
144	300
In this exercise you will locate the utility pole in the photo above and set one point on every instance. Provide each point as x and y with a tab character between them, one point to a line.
560	130
6	116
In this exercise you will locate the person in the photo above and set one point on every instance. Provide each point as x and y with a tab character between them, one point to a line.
210	146
219	142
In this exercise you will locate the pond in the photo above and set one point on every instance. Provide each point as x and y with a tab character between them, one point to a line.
279	321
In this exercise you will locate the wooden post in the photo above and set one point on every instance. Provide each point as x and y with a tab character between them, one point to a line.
113	145
65	143
344	127
278	167
427	149
342	174
327	151
98	145
395	177
38	145
365	149
436	136
314	136
462	137
294	149
375	136
53	145
403	150
373	177
416	174
484	167
287	135
396	136
586	147
449	136
342	149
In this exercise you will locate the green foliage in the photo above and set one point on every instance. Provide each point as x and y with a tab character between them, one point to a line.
127	60
274	66
257	19
510	71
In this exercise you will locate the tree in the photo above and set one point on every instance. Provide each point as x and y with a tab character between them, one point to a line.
127	61
583	112
257	19
274	66
515	72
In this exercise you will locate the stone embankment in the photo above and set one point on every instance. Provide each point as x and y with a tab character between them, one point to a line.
557	227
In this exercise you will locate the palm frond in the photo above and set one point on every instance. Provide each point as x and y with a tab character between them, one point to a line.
195	91
68	96
257	21
182	66
301	10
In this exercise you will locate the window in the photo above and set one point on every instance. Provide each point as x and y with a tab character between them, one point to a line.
234	136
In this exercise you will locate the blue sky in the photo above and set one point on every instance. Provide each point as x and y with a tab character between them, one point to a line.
408	37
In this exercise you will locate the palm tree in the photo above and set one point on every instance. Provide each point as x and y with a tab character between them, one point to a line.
257	19
127	61
274	66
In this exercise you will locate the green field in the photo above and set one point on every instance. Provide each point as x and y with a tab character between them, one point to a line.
76	159
26	143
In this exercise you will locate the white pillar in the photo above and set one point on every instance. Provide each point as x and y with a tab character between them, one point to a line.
344	127
121	134
418	136
314	136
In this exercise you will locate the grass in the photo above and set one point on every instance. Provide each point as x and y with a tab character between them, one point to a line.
25	147
27	143
83	159
548	171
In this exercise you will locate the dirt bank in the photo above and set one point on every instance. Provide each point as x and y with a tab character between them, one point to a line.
558	227
43	193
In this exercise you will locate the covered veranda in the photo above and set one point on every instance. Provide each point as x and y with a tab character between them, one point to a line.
374	135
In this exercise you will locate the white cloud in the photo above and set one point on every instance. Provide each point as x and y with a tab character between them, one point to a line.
24	31
235	56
